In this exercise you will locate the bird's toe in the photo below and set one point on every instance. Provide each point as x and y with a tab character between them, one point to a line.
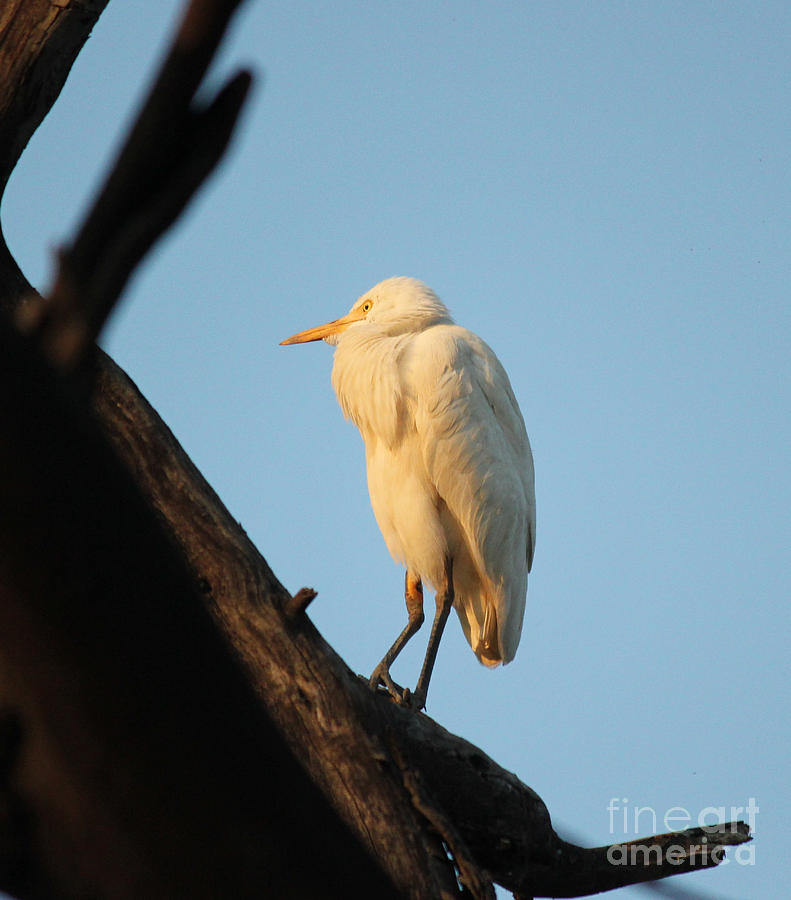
412	701
381	676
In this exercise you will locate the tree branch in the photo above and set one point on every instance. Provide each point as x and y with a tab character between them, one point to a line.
579	873
147	765
174	145
39	41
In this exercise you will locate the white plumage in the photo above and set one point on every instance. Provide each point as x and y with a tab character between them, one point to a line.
450	471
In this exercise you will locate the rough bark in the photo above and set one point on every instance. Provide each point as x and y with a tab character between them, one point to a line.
157	681
142	763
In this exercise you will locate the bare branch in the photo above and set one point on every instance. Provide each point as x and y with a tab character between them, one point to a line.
39	41
580	873
297	604
172	780
173	146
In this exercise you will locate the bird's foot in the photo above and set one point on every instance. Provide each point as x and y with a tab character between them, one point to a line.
381	675
402	696
416	701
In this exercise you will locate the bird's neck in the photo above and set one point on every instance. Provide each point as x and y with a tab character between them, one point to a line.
368	379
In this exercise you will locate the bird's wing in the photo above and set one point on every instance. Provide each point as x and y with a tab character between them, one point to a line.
477	455
496	388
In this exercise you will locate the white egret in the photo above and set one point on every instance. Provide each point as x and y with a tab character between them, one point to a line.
450	472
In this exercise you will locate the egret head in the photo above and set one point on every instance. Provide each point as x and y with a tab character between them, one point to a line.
394	306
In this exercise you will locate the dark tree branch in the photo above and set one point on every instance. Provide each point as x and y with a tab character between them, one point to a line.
173	146
174	781
580	872
297	604
15	832
151	662
39	41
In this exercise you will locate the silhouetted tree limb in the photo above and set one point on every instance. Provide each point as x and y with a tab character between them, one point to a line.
151	664
172	147
39	41
144	762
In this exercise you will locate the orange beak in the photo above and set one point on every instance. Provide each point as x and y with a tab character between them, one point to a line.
322	331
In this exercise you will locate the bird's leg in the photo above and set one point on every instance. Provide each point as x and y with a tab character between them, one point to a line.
444	598
413	594
444	601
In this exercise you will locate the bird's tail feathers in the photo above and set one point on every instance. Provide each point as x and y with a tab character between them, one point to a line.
490	661
488	648
478	619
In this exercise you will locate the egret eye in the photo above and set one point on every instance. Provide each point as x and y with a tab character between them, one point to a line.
367	305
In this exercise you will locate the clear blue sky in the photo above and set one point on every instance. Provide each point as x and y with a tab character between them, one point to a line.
602	192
